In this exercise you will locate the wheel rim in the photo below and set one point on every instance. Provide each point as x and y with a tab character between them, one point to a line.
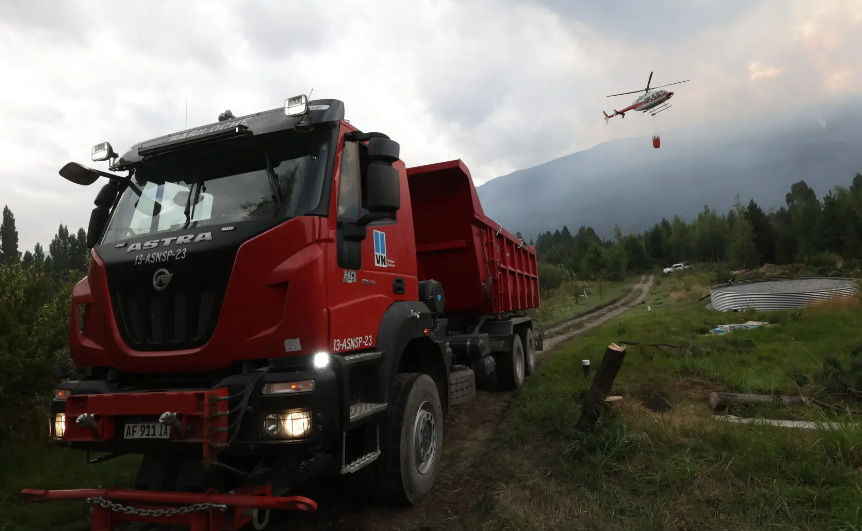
519	364
531	355
424	438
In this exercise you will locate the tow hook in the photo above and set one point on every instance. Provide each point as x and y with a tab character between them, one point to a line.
170	419
88	421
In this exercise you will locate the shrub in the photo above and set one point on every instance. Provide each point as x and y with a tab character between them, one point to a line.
34	317
552	276
827	261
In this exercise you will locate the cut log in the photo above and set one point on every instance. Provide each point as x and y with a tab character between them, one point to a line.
722	400
601	387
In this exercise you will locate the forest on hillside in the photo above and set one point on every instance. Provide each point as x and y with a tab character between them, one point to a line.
805	230
36	285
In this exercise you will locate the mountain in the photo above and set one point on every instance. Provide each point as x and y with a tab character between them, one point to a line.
629	183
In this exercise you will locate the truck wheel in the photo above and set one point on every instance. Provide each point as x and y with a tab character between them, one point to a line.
412	439
510	366
462	386
529	352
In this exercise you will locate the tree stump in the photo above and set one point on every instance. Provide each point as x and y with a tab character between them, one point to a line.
601	387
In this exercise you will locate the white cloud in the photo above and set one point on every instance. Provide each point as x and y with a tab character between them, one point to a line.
500	84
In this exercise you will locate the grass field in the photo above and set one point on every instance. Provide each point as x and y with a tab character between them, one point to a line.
638	470
680	469
560	304
39	466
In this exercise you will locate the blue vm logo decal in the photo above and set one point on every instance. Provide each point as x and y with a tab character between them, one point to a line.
379	248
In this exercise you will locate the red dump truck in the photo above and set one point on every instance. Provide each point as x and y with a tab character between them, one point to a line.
273	297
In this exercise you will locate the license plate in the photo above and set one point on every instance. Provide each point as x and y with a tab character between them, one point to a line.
147	430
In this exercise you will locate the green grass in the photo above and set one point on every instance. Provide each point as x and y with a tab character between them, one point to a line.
679	469
559	304
41	466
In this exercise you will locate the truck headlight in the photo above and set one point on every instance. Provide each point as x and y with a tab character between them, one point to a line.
297	423
271	424
292	424
59	426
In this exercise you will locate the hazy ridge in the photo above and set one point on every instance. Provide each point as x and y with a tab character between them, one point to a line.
630	183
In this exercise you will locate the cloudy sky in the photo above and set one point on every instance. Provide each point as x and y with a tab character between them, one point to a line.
502	84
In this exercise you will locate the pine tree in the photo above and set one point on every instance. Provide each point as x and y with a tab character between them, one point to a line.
764	232
831	229
743	249
617	259
805	212
27	260
79	254
636	254
61	250
8	238
38	257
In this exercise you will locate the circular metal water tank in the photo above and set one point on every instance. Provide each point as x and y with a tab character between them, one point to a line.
779	293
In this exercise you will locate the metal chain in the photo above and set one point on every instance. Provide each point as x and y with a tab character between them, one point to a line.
120	508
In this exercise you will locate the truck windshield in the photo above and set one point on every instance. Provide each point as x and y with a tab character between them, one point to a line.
276	177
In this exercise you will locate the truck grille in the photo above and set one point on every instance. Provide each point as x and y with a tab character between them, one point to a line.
168	320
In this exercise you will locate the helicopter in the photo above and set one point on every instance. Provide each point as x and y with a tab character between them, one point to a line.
653	101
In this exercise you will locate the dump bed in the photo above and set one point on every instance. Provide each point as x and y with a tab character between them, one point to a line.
484	269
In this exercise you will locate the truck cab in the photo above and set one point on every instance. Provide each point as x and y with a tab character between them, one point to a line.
254	309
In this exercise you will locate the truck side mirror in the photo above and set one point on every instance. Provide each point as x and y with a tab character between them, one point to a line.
98	221
382	189
78	174
99	216
107	195
353	232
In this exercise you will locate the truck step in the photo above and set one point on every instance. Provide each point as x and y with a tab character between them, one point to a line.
363	409
353	359
362	462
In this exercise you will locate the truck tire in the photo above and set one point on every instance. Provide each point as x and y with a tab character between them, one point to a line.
412	440
462	386
529	352
510	366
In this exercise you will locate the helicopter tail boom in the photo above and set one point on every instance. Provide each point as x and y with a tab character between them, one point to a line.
616	113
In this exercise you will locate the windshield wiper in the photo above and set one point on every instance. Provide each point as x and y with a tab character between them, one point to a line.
273	180
192	203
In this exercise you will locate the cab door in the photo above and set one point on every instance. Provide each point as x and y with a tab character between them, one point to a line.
361	283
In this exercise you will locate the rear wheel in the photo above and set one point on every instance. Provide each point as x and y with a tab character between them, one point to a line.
529	352
412	439
510	366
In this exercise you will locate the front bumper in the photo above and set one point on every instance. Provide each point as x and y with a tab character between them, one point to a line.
197	429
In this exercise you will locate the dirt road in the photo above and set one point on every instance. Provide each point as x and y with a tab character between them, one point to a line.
468	431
